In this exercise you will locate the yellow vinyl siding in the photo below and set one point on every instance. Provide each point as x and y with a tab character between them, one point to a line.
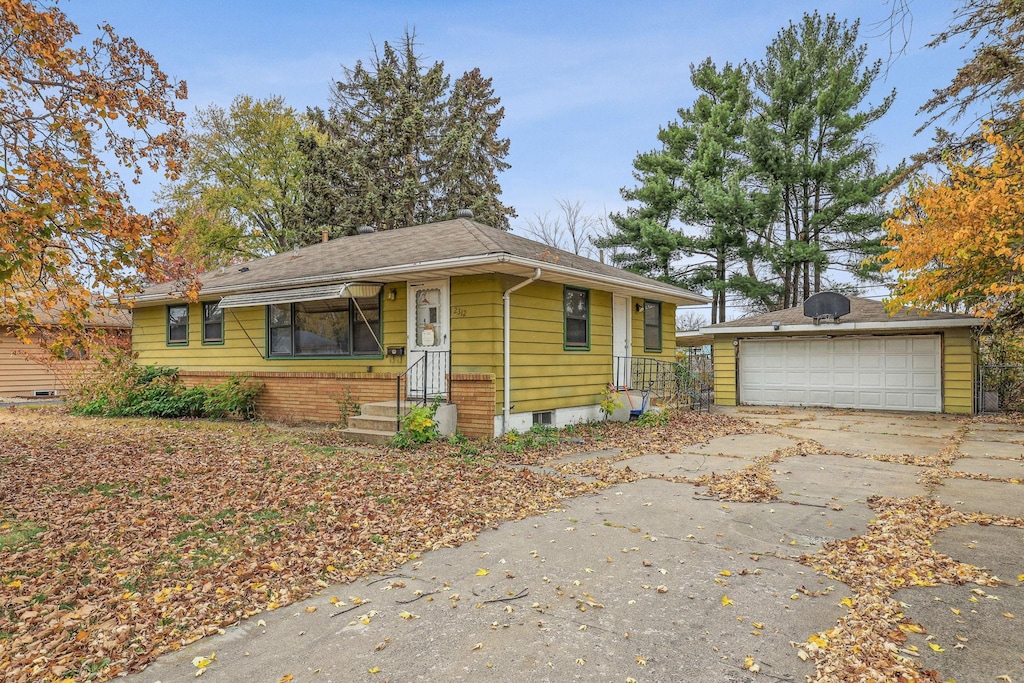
724	354
958	359
476	324
958	371
544	374
245	341
668	331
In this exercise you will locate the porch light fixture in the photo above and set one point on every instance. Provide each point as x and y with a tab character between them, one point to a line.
639	307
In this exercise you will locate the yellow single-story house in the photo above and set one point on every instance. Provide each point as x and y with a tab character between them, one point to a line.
846	352
508	330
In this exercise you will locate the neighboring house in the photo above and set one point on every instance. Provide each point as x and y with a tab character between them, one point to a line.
449	309
841	352
28	370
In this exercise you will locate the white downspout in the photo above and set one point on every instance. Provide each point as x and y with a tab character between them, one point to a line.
506	389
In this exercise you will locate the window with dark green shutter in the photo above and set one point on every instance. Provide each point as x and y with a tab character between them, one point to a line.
213	323
652	326
177	324
577	318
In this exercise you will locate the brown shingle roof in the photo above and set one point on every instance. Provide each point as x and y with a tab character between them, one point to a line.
99	316
861	311
443	241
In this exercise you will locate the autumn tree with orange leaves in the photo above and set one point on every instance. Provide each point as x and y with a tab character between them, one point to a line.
959	242
68	107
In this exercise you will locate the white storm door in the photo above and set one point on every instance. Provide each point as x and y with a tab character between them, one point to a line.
428	336
622	340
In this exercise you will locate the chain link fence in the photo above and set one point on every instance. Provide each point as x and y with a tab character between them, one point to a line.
1000	388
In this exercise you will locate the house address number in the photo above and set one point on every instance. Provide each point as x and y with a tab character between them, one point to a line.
458	312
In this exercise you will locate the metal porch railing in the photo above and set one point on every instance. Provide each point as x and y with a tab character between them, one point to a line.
684	384
428	377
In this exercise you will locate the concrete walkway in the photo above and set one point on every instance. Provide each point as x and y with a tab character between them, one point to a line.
655	581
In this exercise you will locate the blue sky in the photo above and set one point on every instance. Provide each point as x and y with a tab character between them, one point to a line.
585	85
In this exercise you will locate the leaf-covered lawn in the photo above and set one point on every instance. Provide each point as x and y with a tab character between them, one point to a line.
121	539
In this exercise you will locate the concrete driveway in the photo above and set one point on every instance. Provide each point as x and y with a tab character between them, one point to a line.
655	580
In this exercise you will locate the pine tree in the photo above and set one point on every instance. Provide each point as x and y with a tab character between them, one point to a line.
472	154
399	146
695	194
807	139
987	88
768	181
723	199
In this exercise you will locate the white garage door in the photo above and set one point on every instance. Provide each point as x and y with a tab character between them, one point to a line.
885	373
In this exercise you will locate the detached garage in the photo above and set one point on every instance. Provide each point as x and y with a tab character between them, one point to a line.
841	352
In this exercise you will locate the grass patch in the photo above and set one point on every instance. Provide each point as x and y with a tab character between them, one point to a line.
102	489
17	535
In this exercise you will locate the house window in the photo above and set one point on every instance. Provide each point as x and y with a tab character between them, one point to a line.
652	326
279	317
333	327
544	418
213	323
577	318
177	324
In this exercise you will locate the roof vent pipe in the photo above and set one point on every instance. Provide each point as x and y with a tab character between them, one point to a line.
364	230
464	213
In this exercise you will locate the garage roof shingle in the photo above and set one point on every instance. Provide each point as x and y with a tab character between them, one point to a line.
862	310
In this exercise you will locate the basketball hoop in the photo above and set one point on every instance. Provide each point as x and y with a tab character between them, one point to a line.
824	318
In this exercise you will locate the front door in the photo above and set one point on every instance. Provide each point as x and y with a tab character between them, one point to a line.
428	342
622	340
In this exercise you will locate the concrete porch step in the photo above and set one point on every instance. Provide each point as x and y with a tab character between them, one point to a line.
369	436
377	423
385	408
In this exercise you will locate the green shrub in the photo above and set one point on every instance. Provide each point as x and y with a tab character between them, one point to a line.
418	426
120	388
234	396
654	418
610	401
536	437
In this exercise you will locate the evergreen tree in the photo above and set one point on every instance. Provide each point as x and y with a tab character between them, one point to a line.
807	140
399	146
472	154
695	194
722	199
986	89
768	180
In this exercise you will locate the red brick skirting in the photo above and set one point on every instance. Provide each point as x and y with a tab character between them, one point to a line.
322	396
474	395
